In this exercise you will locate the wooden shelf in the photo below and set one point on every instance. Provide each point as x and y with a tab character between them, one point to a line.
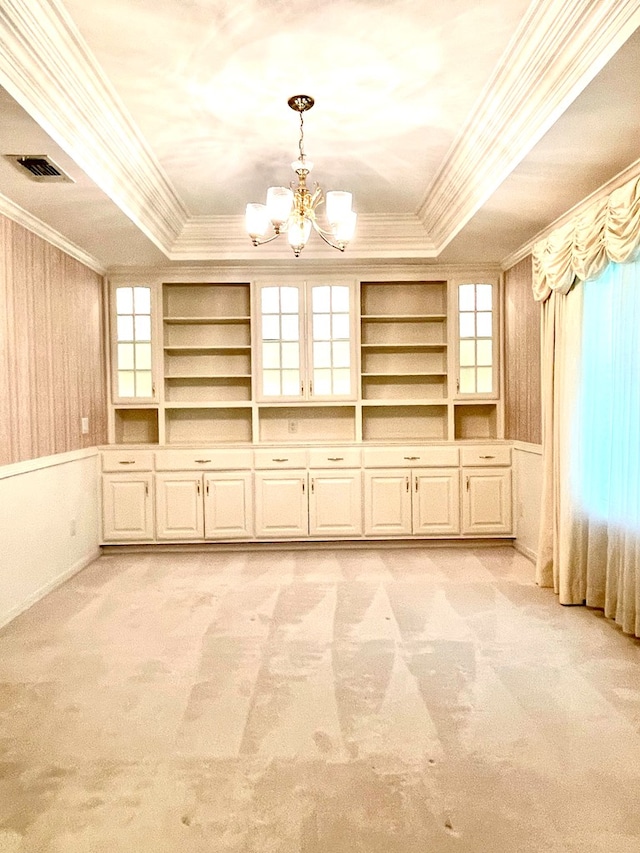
204	376
391	403
405	375
402	318
208	349
191	321
404	346
223	404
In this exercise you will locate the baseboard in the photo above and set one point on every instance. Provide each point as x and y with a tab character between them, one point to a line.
49	587
526	552
301	545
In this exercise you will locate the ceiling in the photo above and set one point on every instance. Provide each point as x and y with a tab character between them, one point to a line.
462	128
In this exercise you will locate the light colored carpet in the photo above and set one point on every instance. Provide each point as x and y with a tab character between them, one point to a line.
419	700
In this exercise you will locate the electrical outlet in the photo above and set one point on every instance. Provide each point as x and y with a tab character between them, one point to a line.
293	426
84	425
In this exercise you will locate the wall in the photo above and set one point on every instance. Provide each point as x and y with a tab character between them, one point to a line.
52	373
523	420
51	349
49	526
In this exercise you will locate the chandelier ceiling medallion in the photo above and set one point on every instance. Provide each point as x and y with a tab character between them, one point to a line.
292	211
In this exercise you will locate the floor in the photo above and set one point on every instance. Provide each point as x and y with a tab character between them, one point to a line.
390	700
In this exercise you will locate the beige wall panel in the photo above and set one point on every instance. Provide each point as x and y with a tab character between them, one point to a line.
522	356
51	349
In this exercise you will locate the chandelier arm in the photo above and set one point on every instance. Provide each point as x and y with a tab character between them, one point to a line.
258	242
323	234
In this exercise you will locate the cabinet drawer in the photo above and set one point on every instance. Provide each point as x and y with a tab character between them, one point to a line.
203	460
127	460
410	457
335	457
488	454
281	457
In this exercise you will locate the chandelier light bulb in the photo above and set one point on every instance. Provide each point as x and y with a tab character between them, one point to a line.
338	206
298	234
294	210
257	220
343	231
279	204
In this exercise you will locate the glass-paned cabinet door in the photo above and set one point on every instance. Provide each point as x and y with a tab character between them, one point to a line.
280	347
331	354
476	340
133	370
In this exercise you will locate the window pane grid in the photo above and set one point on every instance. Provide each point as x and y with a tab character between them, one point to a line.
133	342
331	351
475	347
280	342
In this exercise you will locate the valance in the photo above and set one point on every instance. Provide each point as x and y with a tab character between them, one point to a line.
607	230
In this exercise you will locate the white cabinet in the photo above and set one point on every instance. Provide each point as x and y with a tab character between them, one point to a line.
179	506
228	505
335	503
127	507
486	502
387	503
405	502
436	502
203	506
486	492
281	504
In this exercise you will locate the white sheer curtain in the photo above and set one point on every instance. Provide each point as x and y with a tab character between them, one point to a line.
590	533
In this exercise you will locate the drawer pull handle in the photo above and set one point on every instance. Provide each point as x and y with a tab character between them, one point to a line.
335	458
411	458
202	461
280	459
487	457
127	462
407	481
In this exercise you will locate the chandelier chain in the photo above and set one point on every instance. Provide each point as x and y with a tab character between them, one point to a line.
301	142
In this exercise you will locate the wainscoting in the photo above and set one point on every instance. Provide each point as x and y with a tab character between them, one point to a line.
49	525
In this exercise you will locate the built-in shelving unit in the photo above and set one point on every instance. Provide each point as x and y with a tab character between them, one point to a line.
207	362
404	360
136	425
398	380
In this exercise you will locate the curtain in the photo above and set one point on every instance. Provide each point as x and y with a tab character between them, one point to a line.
589	548
607	230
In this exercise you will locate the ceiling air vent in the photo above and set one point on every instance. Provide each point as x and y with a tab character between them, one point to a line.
40	168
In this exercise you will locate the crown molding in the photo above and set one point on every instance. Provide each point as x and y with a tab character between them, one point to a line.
206	238
46	66
18	214
557	50
238	271
632	171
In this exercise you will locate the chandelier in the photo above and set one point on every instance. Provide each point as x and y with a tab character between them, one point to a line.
292	210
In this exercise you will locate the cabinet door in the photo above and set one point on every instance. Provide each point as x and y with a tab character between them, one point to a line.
486	504
127	508
436	502
179	506
281	503
335	503
387	503
228	505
